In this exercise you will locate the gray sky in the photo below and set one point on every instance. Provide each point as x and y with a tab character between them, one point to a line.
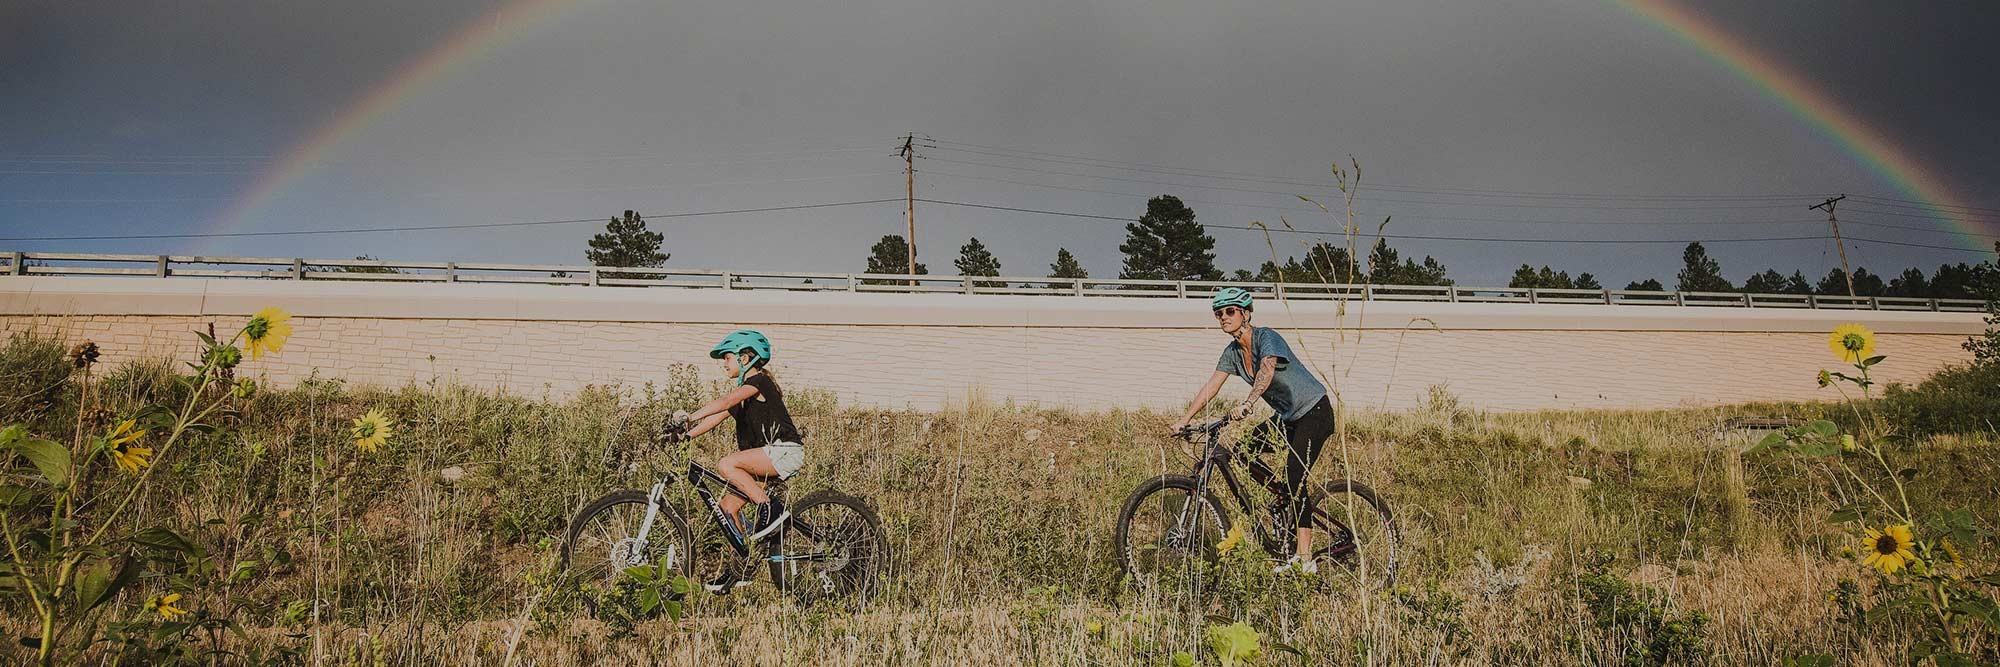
1091	107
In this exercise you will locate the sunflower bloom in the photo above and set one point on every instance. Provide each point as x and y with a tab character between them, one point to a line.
1888	549
1230	541
1851	343
125	451
1951	552
164	605
371	431
267	331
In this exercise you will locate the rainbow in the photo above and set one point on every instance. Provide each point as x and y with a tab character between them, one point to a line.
1868	146
475	40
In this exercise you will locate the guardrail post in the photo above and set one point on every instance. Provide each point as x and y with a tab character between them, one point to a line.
1278	291
1680	298
160	267
1451	293
1180	288
1874	303
451	272
967	281
1079	286
1812	301
853	284
596	279
727	279
1746	301
1368	292
20	267
1934	305
1607	296
1532	297
298	269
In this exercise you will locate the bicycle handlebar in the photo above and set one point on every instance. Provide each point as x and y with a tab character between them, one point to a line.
1188	432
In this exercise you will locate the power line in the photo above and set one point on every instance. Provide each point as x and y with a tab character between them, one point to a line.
1358	198
484	225
1269	179
1924	204
934	172
1417	237
450	193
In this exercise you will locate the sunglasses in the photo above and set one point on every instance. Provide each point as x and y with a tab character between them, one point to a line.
1228	311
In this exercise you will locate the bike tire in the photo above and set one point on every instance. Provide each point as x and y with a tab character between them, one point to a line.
1133	557
604	525
846	529
1368	551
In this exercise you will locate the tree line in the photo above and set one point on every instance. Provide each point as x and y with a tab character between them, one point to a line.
1167	243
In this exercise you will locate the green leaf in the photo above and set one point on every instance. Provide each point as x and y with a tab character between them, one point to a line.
1234	643
14	495
1846	514
50	458
159	537
1775	439
1819	448
649	600
1981	608
1822	428
11	434
1873	360
92	582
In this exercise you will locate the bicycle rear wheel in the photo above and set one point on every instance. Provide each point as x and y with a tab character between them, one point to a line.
1355	535
1166	534
603	541
834	550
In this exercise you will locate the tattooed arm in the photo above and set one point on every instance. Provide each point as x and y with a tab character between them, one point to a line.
1266	371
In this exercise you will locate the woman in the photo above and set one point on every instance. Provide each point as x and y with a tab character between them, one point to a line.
767	444
1304	415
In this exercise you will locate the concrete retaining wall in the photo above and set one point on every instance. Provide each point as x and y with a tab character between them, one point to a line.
925	350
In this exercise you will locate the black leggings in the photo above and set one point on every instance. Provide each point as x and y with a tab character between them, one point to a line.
1305	436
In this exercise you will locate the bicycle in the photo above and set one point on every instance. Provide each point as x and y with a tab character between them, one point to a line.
831	548
1171	520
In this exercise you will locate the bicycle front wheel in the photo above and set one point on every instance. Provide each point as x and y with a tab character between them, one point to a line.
604	540
1165	531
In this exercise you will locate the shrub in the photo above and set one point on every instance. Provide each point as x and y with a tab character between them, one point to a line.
1958	399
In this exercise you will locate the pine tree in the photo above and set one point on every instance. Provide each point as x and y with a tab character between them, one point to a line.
626	242
974	260
1865	283
1985	283
1797	284
1065	266
1647	285
1701	273
1384	268
1524	277
1586	281
1768	282
1911	284
891	255
1167	244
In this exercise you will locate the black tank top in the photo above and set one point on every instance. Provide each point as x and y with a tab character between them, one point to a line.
762	422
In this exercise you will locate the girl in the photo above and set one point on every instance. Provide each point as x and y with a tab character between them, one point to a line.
767	443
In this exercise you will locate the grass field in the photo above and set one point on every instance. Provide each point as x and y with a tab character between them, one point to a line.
1596	537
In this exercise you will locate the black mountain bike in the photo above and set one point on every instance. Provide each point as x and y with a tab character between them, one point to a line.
1171	523
832	547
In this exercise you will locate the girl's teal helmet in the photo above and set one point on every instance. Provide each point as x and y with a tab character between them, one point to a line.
739	341
1230	296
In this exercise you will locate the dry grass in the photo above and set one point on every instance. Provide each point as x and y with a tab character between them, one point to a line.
1001	520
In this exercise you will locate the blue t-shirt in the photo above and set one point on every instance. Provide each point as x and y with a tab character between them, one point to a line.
1293	389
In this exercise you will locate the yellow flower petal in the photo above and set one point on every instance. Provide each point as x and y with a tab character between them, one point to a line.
372	430
267	331
1851	343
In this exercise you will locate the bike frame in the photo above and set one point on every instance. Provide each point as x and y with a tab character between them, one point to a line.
700	478
1217	457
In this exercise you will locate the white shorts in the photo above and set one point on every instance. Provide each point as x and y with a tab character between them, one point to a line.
786	457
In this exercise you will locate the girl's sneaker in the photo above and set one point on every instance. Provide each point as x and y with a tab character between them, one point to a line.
1296	564
772	516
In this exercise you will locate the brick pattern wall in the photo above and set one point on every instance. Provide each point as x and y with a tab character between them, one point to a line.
928	365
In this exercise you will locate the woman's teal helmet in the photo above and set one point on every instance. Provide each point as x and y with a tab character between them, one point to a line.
739	341
1230	296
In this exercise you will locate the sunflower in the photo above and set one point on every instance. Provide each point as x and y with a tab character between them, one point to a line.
372	430
1951	552
124	451
164	604
1229	542
1888	549
267	330
1852	343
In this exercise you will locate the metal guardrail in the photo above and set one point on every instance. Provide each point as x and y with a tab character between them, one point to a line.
272	268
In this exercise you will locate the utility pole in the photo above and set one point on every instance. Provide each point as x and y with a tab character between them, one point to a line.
909	153
1844	271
